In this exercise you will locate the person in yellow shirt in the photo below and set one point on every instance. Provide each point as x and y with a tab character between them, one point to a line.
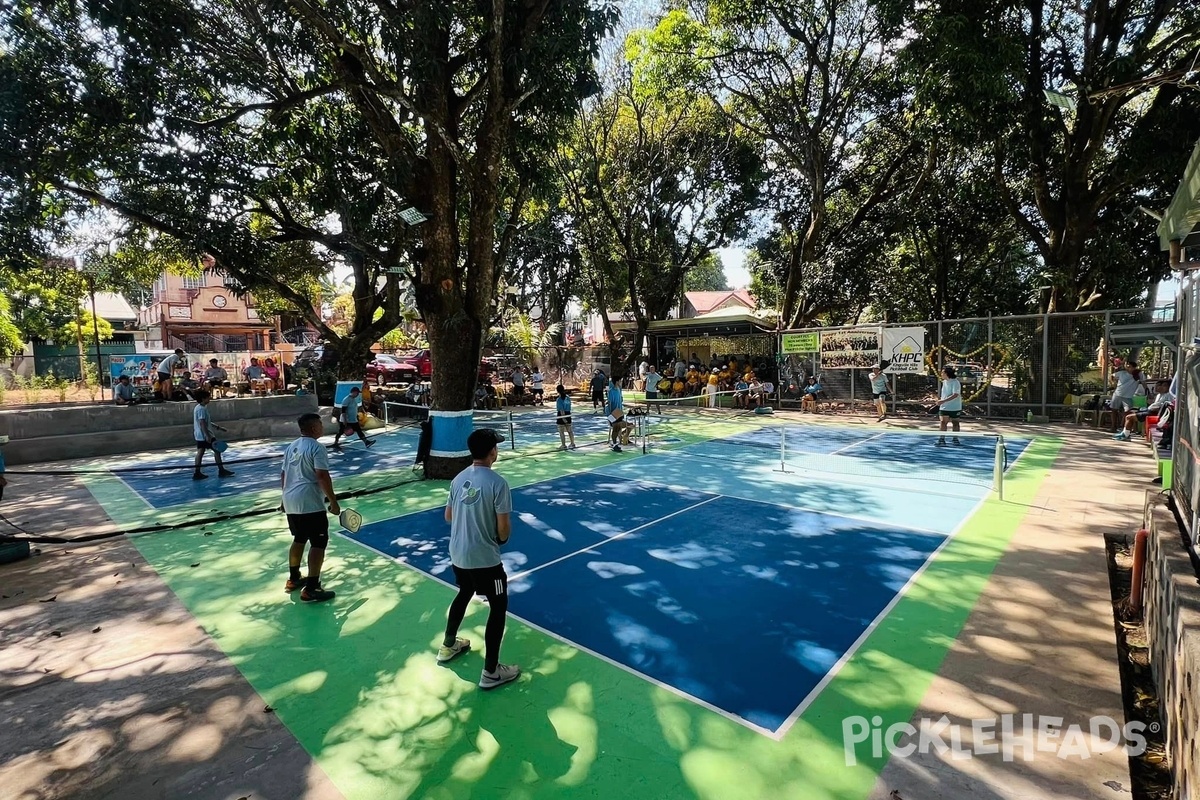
677	388
713	380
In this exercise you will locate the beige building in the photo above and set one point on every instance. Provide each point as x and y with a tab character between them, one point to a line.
202	314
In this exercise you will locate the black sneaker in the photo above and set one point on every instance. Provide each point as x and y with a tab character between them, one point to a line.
616	448
315	595
225	473
198	476
369	443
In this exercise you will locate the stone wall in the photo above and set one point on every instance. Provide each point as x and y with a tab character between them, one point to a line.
53	434
1171	597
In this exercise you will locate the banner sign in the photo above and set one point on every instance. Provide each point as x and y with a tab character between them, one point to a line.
801	342
903	350
853	348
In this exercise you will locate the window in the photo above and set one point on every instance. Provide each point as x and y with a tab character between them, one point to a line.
190	282
160	286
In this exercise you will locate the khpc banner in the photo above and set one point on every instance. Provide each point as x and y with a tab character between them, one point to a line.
903	350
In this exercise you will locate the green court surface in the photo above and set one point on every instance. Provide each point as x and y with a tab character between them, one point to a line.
357	684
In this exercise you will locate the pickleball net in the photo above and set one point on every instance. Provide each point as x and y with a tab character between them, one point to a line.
922	460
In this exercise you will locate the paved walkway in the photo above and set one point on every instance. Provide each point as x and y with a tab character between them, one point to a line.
147	706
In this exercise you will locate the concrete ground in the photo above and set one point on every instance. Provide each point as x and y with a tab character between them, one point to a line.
109	688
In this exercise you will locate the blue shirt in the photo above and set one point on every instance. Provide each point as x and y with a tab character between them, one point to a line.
616	400
562	406
350	408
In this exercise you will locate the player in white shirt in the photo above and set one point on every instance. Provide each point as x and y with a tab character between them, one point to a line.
950	404
306	488
203	429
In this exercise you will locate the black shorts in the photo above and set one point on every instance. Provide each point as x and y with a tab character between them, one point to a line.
651	394
597	395
564	420
351	427
950	414
312	528
162	376
879	395
488	581
202	445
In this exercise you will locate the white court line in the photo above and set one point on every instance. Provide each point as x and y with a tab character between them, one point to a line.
856	444
594	545
841	662
560	638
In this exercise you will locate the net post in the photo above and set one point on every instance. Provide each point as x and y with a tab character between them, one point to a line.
998	470
385	414
512	440
782	448
643	425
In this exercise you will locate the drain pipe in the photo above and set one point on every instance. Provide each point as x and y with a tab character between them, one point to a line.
1139	571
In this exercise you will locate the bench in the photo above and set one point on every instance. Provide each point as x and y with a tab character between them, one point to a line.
1162	458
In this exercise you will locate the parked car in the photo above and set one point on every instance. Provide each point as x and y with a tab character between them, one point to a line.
385	369
420	359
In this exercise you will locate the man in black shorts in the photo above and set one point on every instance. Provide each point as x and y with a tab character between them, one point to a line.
306	487
478	511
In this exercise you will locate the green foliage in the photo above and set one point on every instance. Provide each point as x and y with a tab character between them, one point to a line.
1070	179
11	339
706	276
653	188
263	134
84	327
528	339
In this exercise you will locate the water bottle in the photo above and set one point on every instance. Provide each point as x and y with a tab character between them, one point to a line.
1029	415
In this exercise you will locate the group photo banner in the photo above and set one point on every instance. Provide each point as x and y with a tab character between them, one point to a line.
853	348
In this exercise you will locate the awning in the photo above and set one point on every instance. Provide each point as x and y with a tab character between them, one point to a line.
1180	222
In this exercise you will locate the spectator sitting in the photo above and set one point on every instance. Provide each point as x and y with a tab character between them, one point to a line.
678	387
215	377
272	373
741	391
253	372
481	397
1161	401
123	394
809	401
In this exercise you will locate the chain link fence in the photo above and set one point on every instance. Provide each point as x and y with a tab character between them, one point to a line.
1009	366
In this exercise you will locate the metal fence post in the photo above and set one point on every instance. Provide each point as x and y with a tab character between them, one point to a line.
989	370
1107	359
1045	359
941	350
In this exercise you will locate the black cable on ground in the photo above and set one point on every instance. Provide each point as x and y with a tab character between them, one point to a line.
127	470
32	538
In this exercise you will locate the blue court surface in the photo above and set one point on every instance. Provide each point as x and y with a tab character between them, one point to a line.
739	587
256	468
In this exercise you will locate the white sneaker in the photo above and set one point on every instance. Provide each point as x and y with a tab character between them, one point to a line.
562	447
505	673
447	654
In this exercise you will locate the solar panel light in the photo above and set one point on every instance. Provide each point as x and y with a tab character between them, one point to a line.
412	217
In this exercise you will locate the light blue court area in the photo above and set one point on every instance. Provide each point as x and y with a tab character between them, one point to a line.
256	468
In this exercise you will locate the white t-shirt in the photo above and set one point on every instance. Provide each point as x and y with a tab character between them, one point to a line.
951	386
301	492
878	383
200	420
1126	384
167	365
538	379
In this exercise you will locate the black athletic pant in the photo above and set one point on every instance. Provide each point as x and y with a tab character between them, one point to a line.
492	583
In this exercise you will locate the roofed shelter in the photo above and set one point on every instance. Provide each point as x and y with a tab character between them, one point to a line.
733	330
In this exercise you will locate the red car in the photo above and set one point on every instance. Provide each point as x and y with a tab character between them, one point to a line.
420	361
385	369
